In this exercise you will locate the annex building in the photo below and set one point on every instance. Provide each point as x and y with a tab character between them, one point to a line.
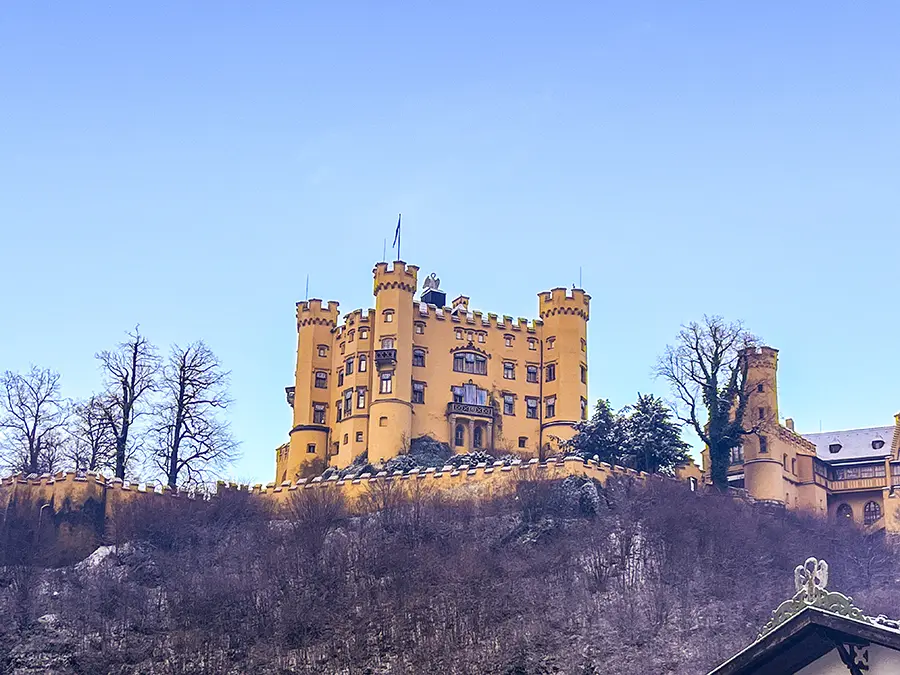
852	474
373	379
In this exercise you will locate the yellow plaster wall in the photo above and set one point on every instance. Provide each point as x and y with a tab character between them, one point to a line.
387	422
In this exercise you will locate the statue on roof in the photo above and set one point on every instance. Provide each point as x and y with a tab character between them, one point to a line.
431	282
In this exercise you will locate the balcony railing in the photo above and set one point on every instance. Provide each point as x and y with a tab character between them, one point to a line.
385	357
471	409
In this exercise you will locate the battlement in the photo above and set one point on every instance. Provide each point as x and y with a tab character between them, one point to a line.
562	301
311	312
397	275
476	318
761	357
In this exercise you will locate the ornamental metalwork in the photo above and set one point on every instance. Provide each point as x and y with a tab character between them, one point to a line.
810	581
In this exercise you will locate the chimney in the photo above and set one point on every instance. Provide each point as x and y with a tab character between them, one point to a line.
789	423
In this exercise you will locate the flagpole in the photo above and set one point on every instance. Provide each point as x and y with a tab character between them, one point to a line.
384	252
399	216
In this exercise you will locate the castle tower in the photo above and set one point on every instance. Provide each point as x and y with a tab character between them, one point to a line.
564	360
390	413
307	452
763	457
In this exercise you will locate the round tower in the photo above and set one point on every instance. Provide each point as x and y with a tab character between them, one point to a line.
564	360
307	451
763	468
390	413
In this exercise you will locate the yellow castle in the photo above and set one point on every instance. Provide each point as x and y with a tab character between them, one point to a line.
377	378
852	474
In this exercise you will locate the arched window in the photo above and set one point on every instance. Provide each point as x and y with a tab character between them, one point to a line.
784	461
845	512
363	363
459	436
871	512
419	357
478	437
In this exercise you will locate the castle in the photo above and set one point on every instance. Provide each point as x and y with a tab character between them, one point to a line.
852	474
375	379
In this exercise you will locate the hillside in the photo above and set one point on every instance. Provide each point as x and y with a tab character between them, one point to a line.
568	577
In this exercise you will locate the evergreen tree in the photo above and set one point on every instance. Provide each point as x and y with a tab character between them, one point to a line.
652	438
600	437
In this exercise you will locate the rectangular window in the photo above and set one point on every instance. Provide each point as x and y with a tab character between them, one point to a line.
551	407
363	333
531	408
321	380
340	411
523	441
419	358
509	404
318	413
418	392
349	366
481	337
551	342
584	408
551	372
343	348
532	344
737	454
762	413
470	363
763	444
350	336
469	393
509	371
531	373
420	329
508	340
759	388
348	402
583	374
311	448
359	437
388	316
459	334
363	363
361	398
387	343
341	378
323	350
583	345
387	383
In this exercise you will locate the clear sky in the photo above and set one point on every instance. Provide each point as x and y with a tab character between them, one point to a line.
185	166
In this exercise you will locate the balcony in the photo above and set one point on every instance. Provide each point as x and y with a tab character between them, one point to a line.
470	409
385	358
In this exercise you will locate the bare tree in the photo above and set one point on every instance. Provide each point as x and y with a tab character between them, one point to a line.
130	375
92	441
192	441
708	373
32	416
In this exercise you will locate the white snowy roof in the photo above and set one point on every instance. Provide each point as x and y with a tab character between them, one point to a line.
854	443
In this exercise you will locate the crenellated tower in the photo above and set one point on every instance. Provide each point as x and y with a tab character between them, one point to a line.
306	453
564	361
762	451
390	412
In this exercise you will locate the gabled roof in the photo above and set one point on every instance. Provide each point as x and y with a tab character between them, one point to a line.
808	626
807	636
855	443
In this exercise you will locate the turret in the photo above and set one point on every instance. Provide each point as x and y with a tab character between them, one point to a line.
564	356
390	412
763	452
307	452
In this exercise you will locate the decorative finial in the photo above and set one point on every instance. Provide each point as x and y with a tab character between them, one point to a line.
431	282
810	581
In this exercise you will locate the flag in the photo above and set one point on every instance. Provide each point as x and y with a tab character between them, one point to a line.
397	233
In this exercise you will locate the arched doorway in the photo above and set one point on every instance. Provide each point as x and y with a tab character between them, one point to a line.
845	512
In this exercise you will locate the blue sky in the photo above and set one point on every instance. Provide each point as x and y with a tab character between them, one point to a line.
185	166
